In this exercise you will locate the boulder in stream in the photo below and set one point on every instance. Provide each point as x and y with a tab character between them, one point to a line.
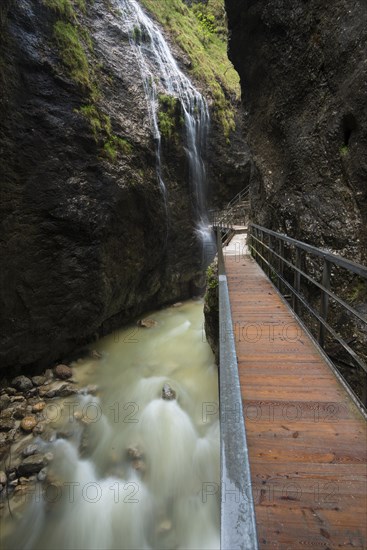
168	393
31	465
22	383
28	423
147	323
63	372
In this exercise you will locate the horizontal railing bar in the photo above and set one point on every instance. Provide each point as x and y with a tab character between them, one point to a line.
319	285
238	520
315	314
239	196
333	258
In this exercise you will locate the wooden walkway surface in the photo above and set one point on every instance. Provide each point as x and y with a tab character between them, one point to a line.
306	438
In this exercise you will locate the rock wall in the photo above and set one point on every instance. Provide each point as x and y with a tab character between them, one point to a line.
86	241
303	76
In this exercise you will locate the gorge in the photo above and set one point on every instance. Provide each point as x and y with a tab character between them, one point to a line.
84	217
122	124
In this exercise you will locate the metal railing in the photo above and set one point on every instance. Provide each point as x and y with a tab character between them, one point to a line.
238	523
230	215
284	259
244	193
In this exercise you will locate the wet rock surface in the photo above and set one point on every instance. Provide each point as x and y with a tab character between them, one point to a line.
168	393
24	437
63	372
92	245
303	75
147	323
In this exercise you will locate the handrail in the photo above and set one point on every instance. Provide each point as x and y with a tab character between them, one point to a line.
333	258
267	256
238	198
238	523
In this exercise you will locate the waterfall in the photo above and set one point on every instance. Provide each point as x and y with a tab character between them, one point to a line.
160	73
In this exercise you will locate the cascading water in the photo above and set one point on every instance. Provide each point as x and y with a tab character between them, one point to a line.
160	71
129	469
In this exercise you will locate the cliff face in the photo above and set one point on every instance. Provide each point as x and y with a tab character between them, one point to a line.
303	75
86	240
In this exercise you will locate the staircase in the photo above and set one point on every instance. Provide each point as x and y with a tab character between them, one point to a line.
234	217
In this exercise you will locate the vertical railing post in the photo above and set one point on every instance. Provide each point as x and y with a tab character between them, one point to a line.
297	281
270	257
364	391
281	264
324	305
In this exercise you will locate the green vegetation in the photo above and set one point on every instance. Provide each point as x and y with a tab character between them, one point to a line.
76	52
344	150
72	53
212	276
115	144
66	7
201	33
102	131
169	118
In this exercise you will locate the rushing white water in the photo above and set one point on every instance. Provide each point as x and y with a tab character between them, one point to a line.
160	72
96	495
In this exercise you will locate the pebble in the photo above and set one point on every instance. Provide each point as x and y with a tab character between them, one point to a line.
65	390
48	457
22	383
134	453
38	380
28	423
29	450
49	394
4	401
147	323
31	465
38	407
42	474
63	372
39	429
2	477
6	424
168	393
17	398
20	411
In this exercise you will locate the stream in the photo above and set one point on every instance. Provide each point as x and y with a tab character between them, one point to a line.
133	466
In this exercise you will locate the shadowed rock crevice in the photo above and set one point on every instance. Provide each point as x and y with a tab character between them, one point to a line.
303	76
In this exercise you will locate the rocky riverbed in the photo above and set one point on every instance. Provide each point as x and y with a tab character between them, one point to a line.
29	408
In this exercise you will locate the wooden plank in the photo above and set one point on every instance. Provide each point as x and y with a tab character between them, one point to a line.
306	438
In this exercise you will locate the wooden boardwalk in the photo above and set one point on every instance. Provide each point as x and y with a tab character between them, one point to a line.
306	438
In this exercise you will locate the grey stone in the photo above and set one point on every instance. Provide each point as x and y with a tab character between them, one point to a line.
29	450
6	424
22	383
168	393
38	380
31	465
